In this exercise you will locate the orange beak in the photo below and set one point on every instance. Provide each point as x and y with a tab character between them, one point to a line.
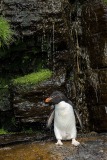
48	99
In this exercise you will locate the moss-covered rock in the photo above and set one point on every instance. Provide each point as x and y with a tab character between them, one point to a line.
29	93
33	78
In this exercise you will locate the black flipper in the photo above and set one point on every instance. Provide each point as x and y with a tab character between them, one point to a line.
50	119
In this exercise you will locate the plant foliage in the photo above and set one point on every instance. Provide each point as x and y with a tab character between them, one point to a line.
2	131
34	78
6	34
105	1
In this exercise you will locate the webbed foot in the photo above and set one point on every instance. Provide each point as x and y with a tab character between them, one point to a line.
75	143
59	143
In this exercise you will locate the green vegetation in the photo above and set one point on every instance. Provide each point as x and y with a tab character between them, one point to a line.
34	78
2	131
105	1
6	34
3	83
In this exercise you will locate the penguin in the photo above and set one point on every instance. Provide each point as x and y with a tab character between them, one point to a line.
64	118
51	117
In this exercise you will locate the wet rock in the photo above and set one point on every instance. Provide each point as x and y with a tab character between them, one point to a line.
96	39
11	139
73	37
28	100
25	14
93	63
6	112
90	148
40	30
96	99
4	99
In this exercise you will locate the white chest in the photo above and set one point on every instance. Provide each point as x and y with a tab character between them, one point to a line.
64	115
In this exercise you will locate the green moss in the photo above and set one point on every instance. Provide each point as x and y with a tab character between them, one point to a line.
2	131
6	34
34	78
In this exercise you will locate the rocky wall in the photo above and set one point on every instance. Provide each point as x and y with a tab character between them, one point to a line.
39	30
94	62
73	35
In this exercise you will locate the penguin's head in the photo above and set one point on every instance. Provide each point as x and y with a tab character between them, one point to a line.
56	97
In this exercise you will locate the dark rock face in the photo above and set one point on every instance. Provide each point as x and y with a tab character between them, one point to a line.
73	37
94	40
89	39
40	30
29	103
26	16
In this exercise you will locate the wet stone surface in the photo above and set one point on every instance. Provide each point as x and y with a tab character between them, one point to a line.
91	148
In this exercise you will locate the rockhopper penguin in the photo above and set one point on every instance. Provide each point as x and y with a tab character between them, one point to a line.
64	118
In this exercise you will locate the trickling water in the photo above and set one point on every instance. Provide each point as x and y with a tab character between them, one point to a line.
53	36
42	44
105	49
53	44
49	49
